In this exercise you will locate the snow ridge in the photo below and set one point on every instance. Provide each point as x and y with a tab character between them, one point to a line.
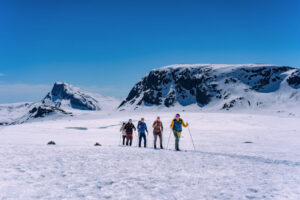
216	87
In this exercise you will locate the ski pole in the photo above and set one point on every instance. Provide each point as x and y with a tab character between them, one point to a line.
191	138
120	139
146	136
137	139
169	139
163	139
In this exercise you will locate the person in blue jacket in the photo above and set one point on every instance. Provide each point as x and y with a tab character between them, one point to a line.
142	129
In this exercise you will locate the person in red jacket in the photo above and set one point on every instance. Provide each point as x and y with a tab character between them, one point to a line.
129	127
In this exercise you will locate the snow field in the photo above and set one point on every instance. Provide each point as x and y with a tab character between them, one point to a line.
222	167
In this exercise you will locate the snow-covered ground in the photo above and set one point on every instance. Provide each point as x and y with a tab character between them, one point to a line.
222	167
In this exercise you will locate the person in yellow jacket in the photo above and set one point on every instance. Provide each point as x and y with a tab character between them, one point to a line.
176	126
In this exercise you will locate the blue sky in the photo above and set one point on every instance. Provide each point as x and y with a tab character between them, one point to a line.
107	46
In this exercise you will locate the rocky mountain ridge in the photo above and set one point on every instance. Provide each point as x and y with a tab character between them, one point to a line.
218	86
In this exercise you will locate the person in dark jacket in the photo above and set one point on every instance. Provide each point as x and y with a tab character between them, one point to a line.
157	132
129	127
176	126
142	129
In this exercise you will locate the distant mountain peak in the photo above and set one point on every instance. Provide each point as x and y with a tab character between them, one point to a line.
64	94
59	102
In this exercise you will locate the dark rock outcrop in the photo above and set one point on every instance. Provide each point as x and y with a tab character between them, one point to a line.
51	143
294	79
43	111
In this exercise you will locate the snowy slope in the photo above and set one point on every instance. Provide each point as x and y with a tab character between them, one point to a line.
10	112
216	87
222	167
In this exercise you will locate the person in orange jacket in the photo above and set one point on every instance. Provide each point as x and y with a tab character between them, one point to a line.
176	126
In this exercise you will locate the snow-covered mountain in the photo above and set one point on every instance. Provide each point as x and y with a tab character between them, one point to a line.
64	95
63	100
216	86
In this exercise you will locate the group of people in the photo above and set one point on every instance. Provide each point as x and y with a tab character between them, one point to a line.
128	128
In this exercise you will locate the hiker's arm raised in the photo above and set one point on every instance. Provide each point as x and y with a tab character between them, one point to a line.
183	124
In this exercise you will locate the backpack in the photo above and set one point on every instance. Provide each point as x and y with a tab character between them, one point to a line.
177	125
129	128
157	127
142	127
